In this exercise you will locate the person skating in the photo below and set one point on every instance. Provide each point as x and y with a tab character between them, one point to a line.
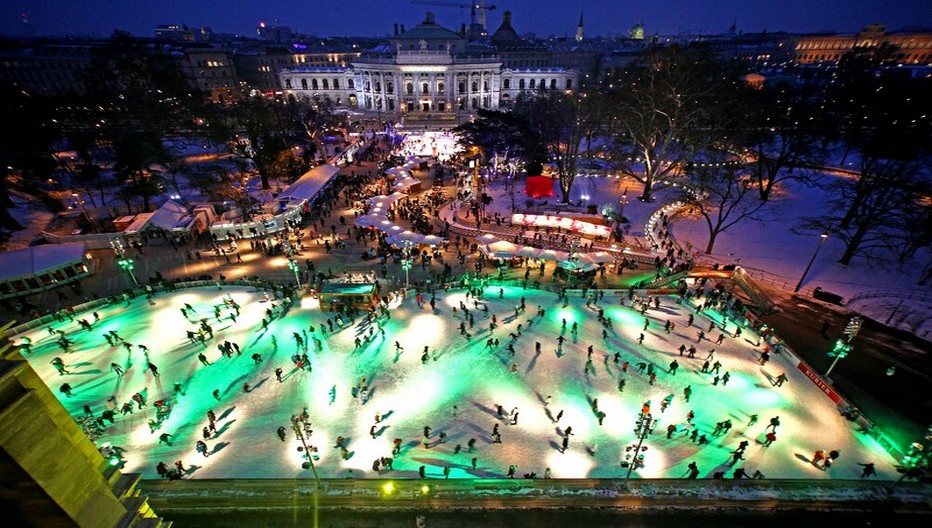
165	438
868	471
281	433
781	379
162	469
59	365
201	447
693	470
66	389
770	438
774	423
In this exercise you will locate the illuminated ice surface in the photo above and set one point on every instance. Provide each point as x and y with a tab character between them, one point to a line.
410	395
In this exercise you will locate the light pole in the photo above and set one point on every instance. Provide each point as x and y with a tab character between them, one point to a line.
843	346
299	432
623	201
822	239
406	261
125	263
293	266
90	223
642	428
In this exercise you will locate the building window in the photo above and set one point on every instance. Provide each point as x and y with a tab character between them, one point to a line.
409	88
314	84
326	84
506	84
521	84
485	86
336	84
378	86
440	87
304	84
461	88
350	84
553	84
475	87
569	84
533	84
425	88
391	105
287	84
389	87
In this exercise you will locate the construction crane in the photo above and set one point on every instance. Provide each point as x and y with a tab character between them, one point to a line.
477	27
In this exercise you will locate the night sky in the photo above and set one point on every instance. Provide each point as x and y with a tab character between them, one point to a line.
543	17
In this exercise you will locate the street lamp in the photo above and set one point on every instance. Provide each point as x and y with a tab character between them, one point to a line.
125	263
843	346
799	285
298	426
623	202
642	428
293	266
406	261
90	223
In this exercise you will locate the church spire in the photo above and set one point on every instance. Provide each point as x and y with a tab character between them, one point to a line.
579	28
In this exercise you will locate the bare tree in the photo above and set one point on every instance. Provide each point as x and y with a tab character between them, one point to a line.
723	193
560	121
667	107
877	212
781	133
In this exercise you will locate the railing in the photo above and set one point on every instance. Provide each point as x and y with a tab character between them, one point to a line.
757	295
665	281
898	294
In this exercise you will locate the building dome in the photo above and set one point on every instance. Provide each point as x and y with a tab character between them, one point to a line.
636	31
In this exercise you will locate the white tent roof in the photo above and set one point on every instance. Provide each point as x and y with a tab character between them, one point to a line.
35	260
308	185
169	215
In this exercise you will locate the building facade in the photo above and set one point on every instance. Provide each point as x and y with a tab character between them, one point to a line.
911	49
426	70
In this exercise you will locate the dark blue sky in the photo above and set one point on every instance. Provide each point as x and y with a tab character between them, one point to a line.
544	17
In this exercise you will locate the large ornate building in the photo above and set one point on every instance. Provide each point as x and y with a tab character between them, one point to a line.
909	49
426	70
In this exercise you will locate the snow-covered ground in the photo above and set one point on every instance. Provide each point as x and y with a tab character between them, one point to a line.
456	391
770	250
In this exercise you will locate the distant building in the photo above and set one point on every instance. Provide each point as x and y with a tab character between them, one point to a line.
258	66
47	68
912	49
212	71
426	70
182	33
273	33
